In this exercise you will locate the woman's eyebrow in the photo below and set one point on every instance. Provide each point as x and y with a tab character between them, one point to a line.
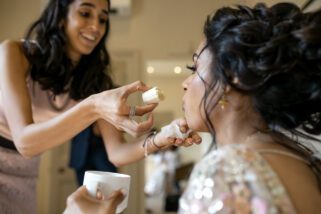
87	4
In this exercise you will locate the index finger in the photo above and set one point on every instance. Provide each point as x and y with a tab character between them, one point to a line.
117	196
183	127
113	200
134	87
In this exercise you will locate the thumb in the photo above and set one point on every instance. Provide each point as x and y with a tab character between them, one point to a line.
183	125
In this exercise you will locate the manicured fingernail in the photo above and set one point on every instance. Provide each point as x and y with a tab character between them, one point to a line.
100	196
183	129
189	141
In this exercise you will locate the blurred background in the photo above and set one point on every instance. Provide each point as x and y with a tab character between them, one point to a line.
152	41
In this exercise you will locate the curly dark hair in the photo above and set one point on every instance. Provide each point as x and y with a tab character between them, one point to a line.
50	66
272	54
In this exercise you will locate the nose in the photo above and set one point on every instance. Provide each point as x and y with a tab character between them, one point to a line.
94	25
185	83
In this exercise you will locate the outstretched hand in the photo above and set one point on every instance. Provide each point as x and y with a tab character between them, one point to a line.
177	133
112	106
80	202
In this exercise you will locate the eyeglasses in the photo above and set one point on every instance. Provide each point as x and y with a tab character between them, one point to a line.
195	57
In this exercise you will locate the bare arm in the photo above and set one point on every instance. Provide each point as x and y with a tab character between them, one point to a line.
34	138
121	152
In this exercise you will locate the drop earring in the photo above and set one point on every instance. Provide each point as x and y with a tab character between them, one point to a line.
223	101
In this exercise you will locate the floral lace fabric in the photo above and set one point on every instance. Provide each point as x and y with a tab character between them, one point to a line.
234	179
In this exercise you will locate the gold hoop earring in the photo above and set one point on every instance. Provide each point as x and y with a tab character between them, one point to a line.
223	102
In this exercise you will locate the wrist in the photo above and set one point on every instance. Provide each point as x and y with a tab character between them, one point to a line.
155	142
150	145
91	106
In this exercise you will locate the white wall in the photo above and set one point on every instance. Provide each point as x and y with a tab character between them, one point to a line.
15	16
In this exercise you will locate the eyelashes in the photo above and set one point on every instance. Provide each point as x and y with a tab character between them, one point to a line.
191	68
88	14
84	14
102	21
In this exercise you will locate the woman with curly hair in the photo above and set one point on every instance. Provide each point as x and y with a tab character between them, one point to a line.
257	75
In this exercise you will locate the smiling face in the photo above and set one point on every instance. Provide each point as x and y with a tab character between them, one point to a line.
85	26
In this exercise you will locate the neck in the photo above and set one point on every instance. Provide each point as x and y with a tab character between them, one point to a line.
237	127
74	63
73	56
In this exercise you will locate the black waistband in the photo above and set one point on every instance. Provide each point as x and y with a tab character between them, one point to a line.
8	144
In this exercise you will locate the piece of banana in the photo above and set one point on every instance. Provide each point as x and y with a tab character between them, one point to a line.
153	95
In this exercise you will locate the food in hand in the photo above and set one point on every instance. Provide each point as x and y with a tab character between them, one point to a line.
172	130
153	95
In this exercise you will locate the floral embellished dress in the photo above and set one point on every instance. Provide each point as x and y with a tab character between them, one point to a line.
234	179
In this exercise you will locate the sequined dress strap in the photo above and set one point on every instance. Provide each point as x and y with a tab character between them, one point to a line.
234	179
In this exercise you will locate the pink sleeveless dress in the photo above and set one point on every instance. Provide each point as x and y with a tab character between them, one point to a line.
18	175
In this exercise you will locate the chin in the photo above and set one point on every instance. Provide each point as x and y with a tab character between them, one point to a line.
86	49
197	125
87	52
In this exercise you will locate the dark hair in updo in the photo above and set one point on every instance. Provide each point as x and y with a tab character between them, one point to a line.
273	54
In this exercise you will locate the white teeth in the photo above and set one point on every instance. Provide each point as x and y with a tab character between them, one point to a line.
89	37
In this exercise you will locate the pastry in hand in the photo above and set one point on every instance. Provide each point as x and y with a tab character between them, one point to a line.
153	95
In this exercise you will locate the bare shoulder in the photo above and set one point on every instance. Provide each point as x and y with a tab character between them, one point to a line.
10	46
296	176
12	55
